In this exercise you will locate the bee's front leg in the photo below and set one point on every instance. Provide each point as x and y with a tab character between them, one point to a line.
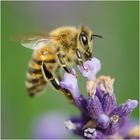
63	64
80	60
54	81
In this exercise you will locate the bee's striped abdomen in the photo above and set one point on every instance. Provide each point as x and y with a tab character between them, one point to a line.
35	81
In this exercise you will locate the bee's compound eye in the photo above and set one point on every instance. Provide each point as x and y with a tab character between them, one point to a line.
91	38
83	38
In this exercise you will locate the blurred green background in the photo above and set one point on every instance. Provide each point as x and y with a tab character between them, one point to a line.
118	52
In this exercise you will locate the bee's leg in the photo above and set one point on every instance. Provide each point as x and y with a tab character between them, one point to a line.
63	64
54	81
49	77
80	60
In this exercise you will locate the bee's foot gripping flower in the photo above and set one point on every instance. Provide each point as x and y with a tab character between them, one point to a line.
100	116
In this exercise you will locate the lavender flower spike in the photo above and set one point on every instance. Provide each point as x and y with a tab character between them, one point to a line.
101	117
93	67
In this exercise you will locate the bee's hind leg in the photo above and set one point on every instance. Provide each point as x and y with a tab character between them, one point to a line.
49	77
54	81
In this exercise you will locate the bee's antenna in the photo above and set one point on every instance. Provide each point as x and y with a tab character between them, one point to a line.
99	36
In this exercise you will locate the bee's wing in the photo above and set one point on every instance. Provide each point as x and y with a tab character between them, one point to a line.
35	42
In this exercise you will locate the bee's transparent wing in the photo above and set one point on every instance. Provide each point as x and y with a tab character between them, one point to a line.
35	42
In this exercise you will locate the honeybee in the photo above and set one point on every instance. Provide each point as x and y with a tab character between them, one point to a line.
61	48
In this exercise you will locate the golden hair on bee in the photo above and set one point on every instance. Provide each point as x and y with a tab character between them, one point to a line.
61	48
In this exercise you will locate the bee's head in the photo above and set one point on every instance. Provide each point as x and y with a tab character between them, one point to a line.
85	39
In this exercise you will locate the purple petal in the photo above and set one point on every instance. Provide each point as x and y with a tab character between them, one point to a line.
93	67
114	125
125	109
99	94
94	107
77	120
81	103
102	121
131	104
112	129
70	83
108	103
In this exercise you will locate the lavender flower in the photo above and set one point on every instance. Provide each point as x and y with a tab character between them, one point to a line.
100	117
93	67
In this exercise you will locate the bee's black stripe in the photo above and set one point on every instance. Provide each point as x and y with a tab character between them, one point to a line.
35	91
35	71
35	80
34	88
39	62
50	61
37	85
